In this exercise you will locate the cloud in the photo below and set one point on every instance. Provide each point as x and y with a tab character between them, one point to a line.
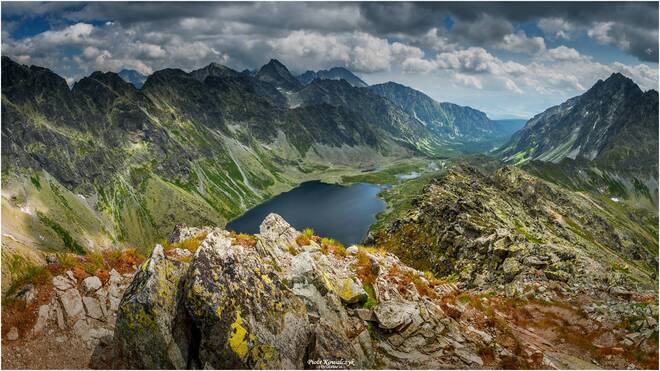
563	53
557	27
634	40
484	46
520	42
481	31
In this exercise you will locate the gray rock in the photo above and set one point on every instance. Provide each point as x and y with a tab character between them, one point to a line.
62	283
81	328
26	293
93	307
246	316
392	315
534	261
59	316
146	332
72	304
332	346
91	284
366	314
71	276
42	319
351	292
12	335
469	357
352	250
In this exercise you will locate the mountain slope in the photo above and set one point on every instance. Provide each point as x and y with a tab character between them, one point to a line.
278	75
468	128
335	73
178	149
614	124
604	141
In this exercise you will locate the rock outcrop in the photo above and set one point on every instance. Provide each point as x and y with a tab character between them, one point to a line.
511	227
276	304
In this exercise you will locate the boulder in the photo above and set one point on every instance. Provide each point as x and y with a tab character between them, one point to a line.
245	315
72	304
332	348
351	292
146	336
12	335
93	307
62	283
42	319
393	315
91	284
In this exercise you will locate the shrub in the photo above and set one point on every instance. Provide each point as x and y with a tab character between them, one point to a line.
302	240
328	245
363	268
245	240
24	271
308	232
305	237
292	250
404	279
190	244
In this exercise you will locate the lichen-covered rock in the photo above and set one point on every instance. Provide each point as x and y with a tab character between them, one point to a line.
151	331
268	305
245	315
351	292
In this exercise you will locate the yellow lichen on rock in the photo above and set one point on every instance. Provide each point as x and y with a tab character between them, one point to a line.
237	341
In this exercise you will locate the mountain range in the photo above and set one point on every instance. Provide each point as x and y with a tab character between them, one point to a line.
105	161
532	255
335	73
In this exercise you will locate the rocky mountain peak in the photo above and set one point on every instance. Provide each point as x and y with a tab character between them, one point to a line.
110	80
216	70
617	82
274	72
334	73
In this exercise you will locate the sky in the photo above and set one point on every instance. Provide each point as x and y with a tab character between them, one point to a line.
510	60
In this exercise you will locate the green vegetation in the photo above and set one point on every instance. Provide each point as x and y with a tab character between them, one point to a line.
329	245
35	181
530	237
385	176
371	296
69	242
23	272
190	244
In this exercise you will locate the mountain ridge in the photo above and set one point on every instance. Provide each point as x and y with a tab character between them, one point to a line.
334	73
610	130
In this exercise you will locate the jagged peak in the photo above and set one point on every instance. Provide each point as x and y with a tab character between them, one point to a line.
274	62
109	79
276	73
214	69
615	81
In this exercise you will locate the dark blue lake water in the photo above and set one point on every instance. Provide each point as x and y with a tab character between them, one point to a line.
340	212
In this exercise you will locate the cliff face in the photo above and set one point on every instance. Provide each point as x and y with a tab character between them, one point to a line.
283	299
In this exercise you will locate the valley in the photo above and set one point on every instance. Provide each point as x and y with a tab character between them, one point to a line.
344	220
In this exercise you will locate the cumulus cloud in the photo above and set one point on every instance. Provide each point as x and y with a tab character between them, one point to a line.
557	27
563	53
520	42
